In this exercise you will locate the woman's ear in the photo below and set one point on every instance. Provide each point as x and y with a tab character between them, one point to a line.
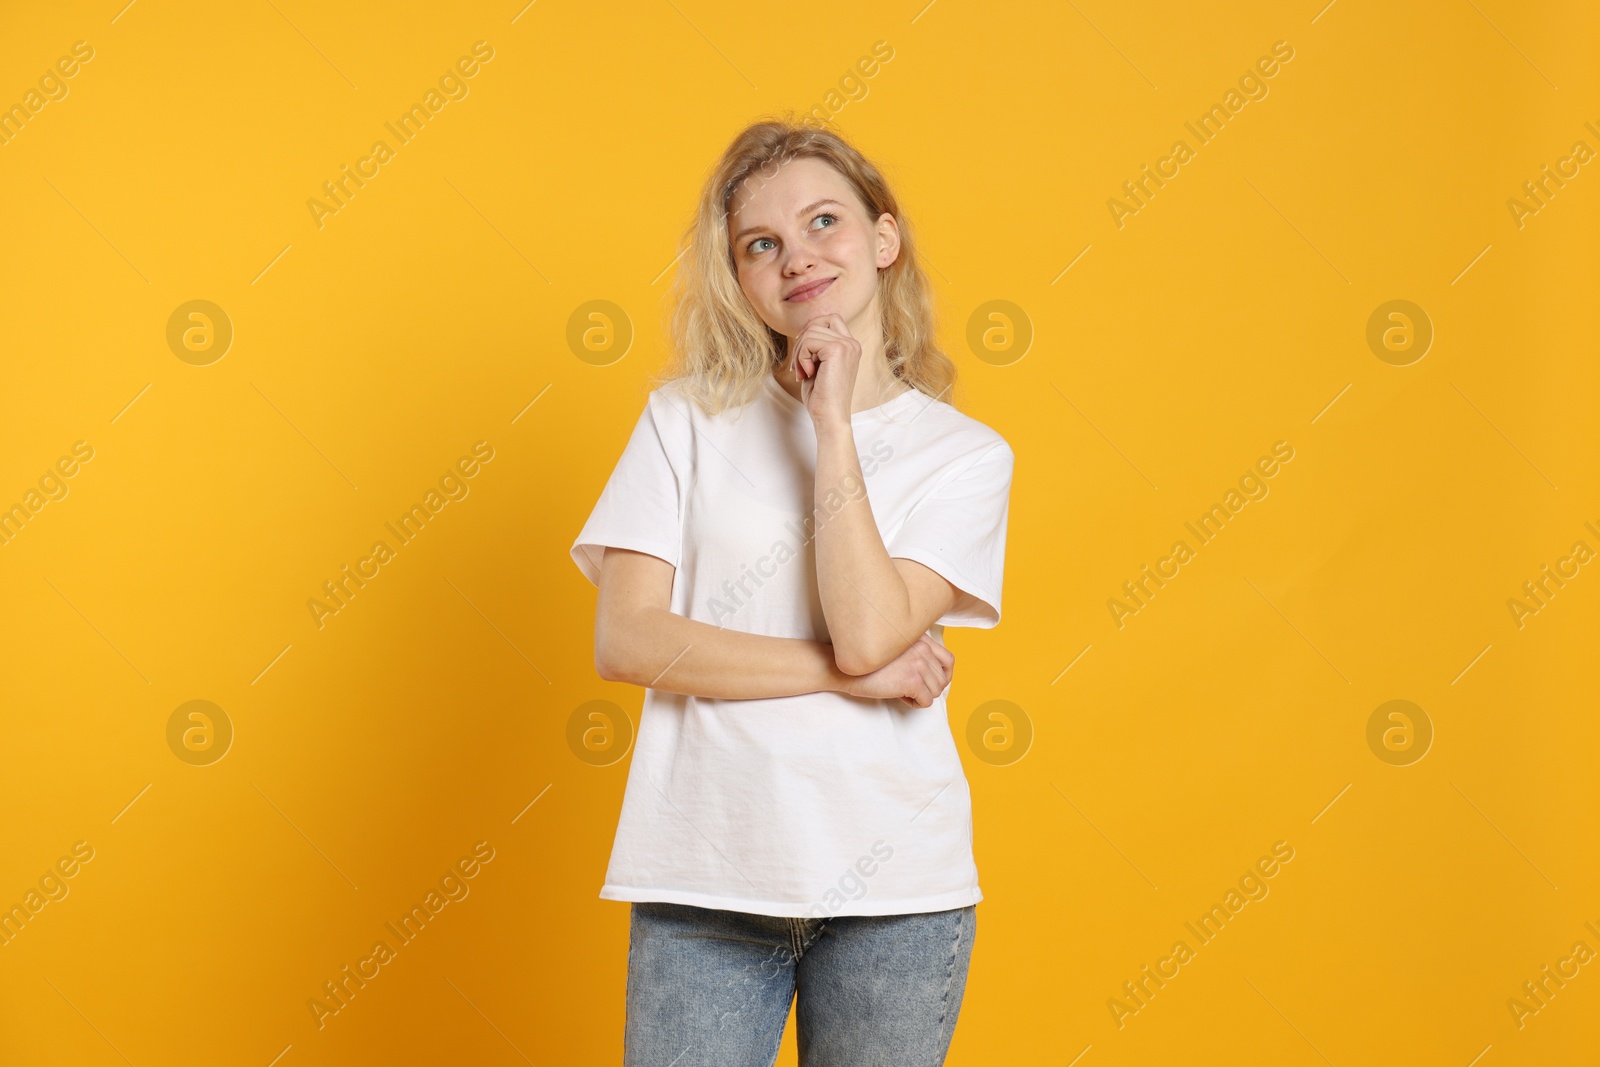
888	240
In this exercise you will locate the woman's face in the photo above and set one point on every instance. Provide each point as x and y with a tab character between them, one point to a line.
804	245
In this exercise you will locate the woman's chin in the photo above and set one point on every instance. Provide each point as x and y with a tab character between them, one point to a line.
800	314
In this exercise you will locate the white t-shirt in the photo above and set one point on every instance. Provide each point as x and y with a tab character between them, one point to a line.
822	803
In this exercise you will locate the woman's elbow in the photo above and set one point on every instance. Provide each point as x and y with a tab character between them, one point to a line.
605	669
611	670
855	658
611	654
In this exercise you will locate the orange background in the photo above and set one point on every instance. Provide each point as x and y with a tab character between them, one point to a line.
435	309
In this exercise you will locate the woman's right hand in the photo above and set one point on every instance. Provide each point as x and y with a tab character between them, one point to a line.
918	675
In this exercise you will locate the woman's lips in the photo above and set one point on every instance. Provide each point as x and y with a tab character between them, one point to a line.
807	292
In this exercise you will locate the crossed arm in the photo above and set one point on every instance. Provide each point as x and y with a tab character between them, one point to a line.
640	640
877	607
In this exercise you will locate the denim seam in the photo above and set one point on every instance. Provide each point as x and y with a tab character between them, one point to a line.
950	977
803	945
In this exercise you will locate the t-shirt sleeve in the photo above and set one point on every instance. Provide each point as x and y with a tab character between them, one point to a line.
638	508
959	531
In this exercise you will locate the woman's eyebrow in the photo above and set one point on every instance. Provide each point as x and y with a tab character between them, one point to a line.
802	212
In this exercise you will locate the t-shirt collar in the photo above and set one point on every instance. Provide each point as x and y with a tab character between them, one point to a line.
791	405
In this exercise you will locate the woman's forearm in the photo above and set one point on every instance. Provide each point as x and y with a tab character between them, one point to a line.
659	649
864	598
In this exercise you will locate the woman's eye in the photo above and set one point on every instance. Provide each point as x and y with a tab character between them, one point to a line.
754	246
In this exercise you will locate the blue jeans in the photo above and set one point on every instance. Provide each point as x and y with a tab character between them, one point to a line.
712	988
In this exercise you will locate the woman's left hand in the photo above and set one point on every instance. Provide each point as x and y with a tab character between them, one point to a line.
827	356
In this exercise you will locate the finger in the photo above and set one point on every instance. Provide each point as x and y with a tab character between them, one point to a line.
817	335
919	691
944	655
940	658
814	350
832	323
813	356
816	328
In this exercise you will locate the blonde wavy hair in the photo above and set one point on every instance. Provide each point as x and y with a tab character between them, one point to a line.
720	347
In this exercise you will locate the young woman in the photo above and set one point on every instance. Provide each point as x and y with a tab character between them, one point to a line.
797	516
